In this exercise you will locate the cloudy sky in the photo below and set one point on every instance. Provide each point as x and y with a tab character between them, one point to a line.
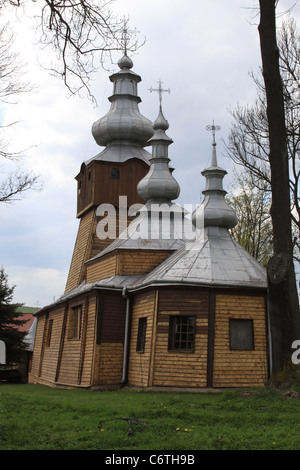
203	51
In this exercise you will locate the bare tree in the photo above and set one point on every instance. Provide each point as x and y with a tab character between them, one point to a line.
282	291
248	143
14	182
82	35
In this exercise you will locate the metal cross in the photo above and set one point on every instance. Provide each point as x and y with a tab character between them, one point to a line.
126	34
213	128
160	90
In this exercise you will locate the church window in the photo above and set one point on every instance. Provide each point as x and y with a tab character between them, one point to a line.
49	333
182	333
141	337
241	334
115	174
75	322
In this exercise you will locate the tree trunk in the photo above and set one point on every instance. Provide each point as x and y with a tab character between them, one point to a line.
282	290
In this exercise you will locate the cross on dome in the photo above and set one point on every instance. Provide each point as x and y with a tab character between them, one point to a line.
213	128
160	90
126	34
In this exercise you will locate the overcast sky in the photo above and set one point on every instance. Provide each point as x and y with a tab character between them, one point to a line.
203	51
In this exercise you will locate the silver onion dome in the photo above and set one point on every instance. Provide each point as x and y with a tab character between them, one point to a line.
123	123
159	185
214	210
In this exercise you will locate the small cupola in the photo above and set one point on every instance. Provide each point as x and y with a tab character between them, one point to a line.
159	185
214	210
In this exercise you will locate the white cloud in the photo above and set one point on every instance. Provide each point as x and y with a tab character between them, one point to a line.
47	284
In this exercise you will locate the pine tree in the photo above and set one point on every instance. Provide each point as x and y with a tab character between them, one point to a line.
9	322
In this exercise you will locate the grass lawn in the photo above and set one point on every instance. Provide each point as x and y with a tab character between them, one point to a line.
36	417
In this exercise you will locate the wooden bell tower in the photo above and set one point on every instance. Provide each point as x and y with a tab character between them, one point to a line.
114	172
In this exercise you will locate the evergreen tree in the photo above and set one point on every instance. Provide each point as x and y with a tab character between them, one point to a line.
10	321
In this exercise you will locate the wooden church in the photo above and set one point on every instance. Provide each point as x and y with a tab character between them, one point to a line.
155	297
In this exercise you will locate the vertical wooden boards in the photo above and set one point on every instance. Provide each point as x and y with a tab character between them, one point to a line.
181	368
240	368
139	363
109	339
81	250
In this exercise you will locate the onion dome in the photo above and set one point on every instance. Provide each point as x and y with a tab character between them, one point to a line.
214	210
159	224
213	258
123	124
159	185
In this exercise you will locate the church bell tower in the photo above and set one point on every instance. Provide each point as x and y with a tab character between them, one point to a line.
114	172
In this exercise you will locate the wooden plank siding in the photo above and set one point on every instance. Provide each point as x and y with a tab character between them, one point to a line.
81	250
88	245
124	263
108	364
177	368
133	262
237	368
96	358
77	354
102	268
115	221
37	351
139	363
45	356
97	186
109	341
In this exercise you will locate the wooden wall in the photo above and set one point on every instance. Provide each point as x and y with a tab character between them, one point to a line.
96	358
81	251
108	362
240	368
139	369
124	263
37	351
157	365
65	361
75	365
212	363
97	186
101	268
135	262
181	369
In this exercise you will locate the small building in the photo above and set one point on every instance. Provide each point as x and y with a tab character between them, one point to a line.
170	299
19	372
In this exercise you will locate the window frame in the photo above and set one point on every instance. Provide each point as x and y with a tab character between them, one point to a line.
176	322
49	332
75	322
250	321
141	335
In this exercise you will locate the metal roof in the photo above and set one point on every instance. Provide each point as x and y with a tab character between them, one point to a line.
123	130
110	283
120	153
214	260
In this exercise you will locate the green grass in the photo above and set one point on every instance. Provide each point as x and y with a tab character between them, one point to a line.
34	417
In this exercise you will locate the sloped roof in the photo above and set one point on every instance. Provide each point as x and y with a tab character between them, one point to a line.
26	314
130	238
110	283
214	260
